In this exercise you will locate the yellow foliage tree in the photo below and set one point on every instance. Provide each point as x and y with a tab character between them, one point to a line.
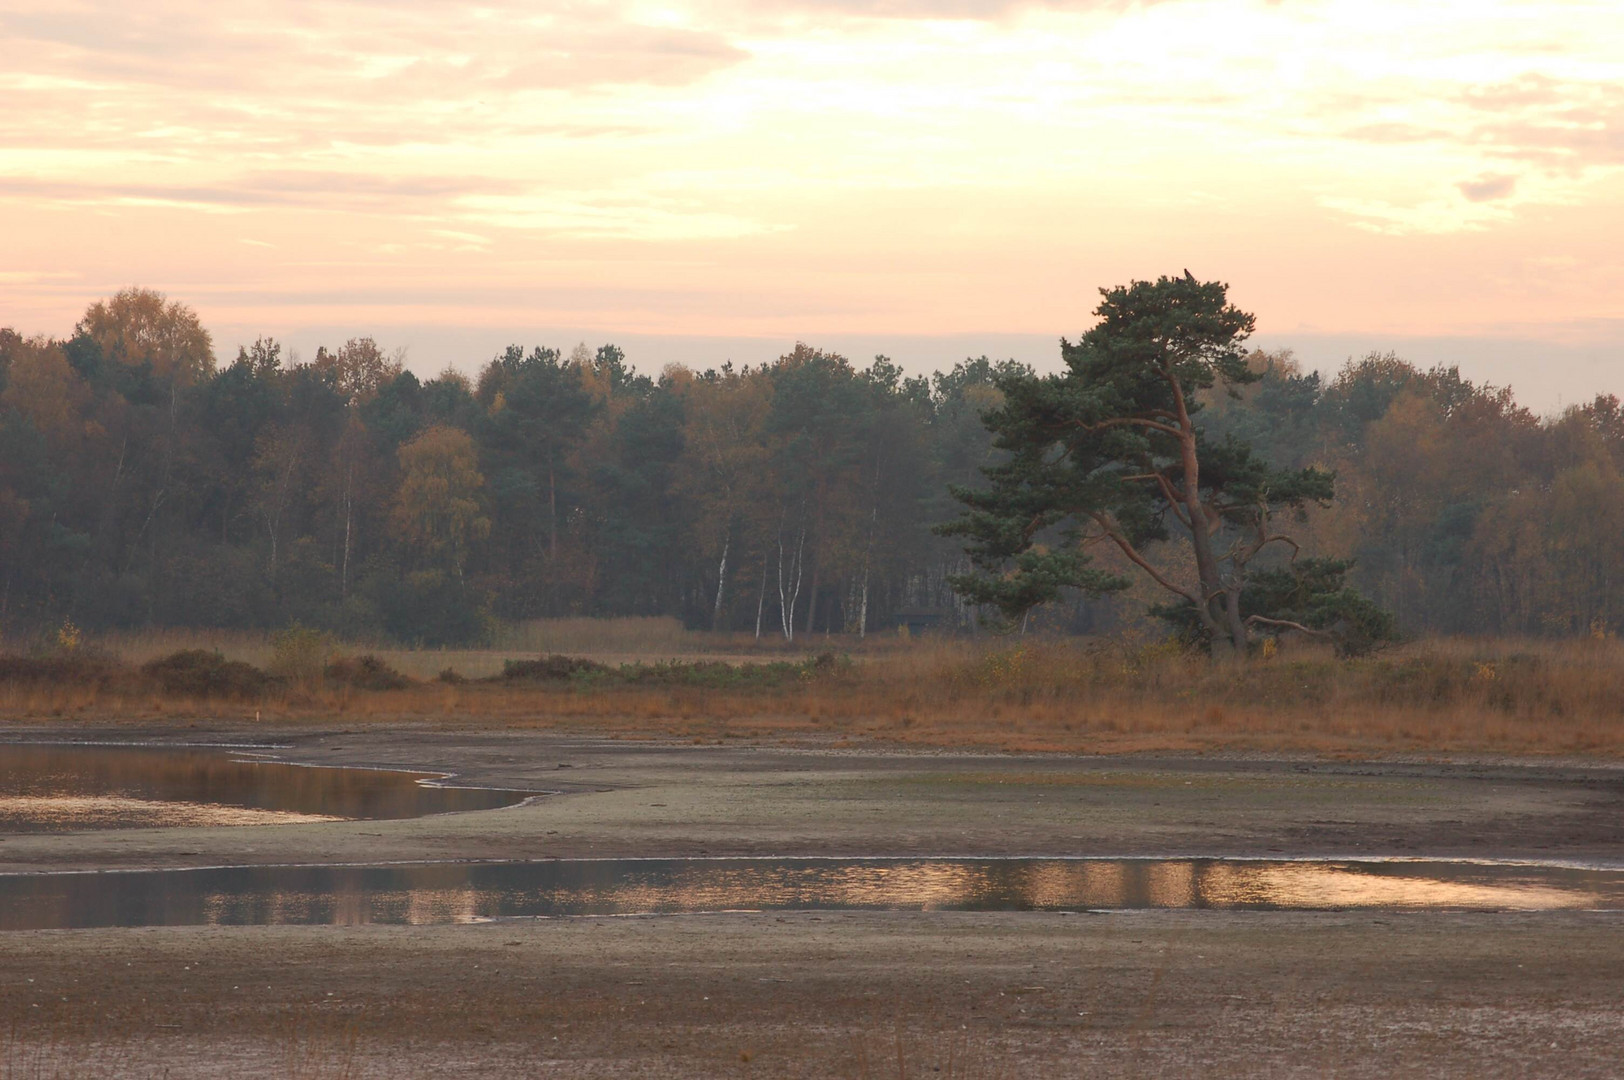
437	507
42	386
141	326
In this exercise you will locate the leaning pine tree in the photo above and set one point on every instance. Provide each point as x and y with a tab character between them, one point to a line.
1111	451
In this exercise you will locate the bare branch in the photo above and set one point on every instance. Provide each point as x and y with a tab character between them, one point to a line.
1286	624
1133	421
1282	538
1173	498
1139	560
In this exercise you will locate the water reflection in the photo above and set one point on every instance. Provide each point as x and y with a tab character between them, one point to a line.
458	893
66	788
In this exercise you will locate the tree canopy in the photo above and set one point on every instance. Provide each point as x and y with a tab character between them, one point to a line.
1112	450
142	484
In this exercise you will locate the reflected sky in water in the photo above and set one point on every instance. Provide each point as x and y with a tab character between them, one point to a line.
421	894
55	788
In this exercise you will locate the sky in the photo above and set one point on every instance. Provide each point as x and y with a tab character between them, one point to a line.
708	179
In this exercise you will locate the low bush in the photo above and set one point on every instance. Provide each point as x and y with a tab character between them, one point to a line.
199	673
555	668
300	655
719	675
714	674
366	672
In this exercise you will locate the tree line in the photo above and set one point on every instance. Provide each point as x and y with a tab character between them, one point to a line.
142	483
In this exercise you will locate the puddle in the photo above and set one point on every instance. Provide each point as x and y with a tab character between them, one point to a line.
420	894
65	788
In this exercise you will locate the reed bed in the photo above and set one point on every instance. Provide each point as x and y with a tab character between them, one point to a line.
620	639
1441	696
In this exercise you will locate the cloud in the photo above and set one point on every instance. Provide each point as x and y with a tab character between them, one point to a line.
1487	188
600	215
943	10
32	277
335	191
1431	217
307	50
1559	123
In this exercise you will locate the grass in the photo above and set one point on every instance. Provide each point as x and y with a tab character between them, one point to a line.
607	640
1494	696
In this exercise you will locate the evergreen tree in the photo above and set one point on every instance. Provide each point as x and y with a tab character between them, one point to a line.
1111	451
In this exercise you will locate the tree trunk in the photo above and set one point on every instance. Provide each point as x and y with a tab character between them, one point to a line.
868	552
1219	611
812	596
552	510
721	581
862	609
349	516
761	596
789	593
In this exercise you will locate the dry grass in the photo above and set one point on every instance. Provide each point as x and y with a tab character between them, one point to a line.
609	640
1439	696
661	635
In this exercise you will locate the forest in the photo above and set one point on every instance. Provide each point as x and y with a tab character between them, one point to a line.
143	484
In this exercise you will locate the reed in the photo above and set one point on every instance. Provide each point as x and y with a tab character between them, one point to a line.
1455	696
619	639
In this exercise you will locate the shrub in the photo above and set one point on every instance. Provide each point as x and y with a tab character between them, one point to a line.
300	655
555	668
200	673
365	673
712	674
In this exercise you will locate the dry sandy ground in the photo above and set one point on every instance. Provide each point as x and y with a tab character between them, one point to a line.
965	995
1158	993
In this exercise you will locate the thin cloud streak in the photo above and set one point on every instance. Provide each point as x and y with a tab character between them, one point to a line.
870	166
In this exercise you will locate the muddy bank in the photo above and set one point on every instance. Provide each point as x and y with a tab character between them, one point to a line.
850	994
1155	993
603	797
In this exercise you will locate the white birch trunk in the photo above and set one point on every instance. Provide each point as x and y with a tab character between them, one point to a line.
721	581
761	595
789	594
862	609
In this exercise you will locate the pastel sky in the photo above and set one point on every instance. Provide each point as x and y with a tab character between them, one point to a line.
706	176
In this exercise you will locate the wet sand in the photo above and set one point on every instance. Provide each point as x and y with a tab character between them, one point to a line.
1160	993
621	798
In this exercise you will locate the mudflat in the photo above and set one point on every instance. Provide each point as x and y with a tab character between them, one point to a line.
603	797
859	994
833	995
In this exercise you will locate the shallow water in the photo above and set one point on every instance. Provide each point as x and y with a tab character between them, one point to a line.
65	788
419	894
